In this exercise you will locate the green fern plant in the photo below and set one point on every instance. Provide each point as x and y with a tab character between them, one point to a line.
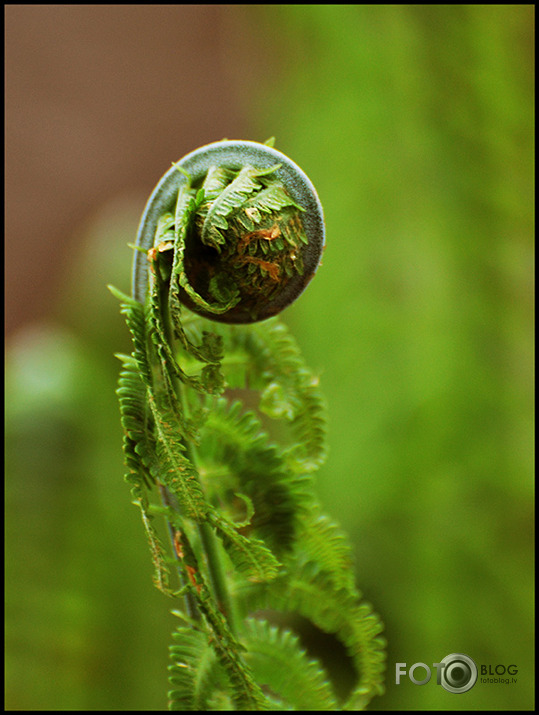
224	426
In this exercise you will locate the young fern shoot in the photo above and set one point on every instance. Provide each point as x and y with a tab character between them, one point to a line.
224	426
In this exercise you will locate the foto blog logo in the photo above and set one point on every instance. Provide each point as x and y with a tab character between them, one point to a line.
457	673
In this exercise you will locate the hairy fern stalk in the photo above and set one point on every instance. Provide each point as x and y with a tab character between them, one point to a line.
224	427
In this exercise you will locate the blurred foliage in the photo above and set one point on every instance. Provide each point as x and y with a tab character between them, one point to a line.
85	628
415	123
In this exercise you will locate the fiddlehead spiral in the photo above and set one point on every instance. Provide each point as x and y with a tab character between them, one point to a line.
234	232
241	227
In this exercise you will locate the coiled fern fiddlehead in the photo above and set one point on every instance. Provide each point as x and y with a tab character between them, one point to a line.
232	234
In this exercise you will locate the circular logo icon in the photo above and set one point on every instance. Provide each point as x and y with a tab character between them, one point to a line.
459	674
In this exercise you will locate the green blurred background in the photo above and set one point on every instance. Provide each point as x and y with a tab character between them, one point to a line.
415	123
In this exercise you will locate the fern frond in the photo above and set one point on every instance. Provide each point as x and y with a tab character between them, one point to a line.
312	594
315	587
139	457
245	692
237	458
161	575
182	218
177	472
229	199
326	545
295	681
161	340
135	317
292	393
217	178
180	476
265	357
136	422
195	674
270	199
249	555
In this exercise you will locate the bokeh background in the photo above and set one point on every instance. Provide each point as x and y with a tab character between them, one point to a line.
415	123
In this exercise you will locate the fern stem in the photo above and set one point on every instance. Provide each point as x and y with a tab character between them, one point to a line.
217	576
191	609
168	500
216	573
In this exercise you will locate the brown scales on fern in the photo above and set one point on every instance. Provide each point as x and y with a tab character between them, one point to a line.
272	269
